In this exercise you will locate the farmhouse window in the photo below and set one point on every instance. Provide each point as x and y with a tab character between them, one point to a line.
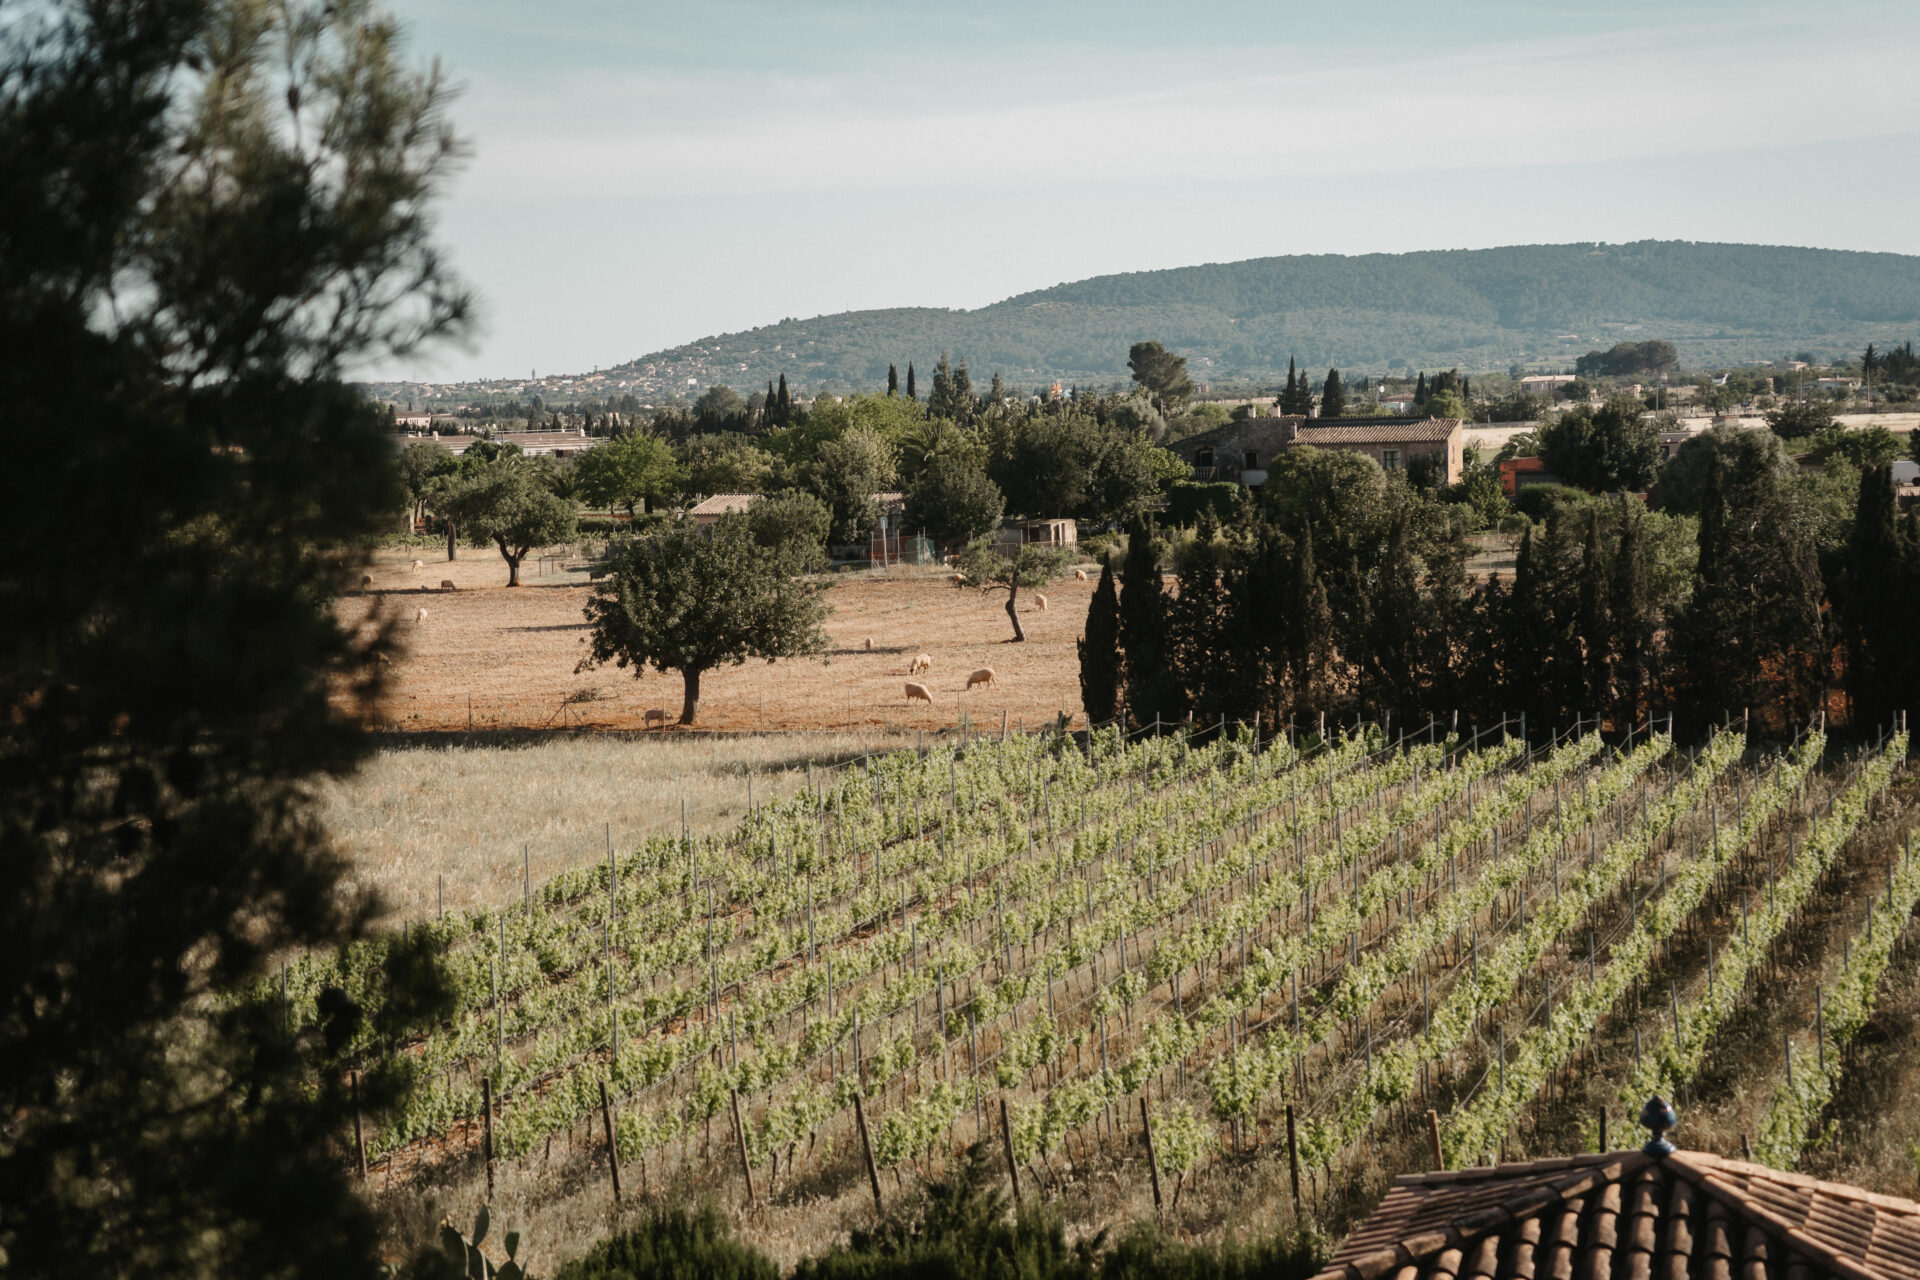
1203	458
1390	459
1253	460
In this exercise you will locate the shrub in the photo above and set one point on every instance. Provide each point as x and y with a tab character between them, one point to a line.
674	1244
1186	501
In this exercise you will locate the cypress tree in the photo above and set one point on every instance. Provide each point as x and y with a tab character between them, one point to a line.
1595	639
1289	397
786	405
770	407
1143	627
1420	389
911	394
1632	619
893	379
1465	388
1310	632
1196	619
1869	602
1333	396
1100	652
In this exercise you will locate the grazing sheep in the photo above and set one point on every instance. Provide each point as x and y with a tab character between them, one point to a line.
446	584
958	577
418	565
1079	575
381	656
869	644
919	691
366	580
983	676
420	615
1041	601
922	662
656	715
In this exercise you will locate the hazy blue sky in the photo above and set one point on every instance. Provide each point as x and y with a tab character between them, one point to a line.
646	174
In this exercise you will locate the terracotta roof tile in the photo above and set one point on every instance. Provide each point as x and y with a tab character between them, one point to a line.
1627	1216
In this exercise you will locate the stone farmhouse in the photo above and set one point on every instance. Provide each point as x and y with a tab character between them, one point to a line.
1241	451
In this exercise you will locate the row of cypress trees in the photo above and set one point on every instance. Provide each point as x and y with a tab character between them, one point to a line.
1263	628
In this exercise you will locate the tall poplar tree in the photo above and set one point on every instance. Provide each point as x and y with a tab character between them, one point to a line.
1100	652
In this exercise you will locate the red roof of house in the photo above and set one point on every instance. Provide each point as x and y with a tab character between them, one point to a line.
1411	431
1631	1216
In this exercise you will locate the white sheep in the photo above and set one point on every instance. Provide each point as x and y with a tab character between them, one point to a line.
1041	601
417	566
921	662
983	676
419	616
1079	575
920	691
656	715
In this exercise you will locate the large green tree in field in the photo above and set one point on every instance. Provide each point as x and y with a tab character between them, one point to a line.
510	503
698	597
627	471
1613	447
954	501
213	212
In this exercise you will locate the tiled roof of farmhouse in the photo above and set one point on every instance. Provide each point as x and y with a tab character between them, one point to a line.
721	504
1407	431
1631	1216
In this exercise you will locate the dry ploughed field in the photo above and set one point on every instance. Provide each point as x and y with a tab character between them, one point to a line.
507	656
1275	956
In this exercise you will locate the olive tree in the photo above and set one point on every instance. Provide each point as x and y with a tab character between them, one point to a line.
984	567
509	503
696	597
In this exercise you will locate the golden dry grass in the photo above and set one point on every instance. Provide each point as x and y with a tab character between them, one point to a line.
427	809
490	657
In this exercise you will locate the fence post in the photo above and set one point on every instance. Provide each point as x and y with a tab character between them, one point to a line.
1153	1163
1006	1140
486	1107
1293	1156
359	1141
740	1133
1433	1140
613	1147
866	1147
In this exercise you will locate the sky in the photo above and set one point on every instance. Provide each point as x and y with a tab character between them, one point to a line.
646	174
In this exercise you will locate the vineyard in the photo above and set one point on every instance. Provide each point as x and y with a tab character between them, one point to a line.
1137	957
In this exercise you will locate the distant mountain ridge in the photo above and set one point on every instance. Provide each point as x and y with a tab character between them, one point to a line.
1539	305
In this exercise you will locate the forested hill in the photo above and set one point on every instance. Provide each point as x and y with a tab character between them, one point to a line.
1539	305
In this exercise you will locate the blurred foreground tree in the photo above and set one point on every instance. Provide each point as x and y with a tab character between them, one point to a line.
210	212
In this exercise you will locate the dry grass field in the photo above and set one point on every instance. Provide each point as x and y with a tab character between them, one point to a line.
467	818
490	657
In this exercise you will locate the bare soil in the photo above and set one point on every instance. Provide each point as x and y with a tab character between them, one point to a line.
487	656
